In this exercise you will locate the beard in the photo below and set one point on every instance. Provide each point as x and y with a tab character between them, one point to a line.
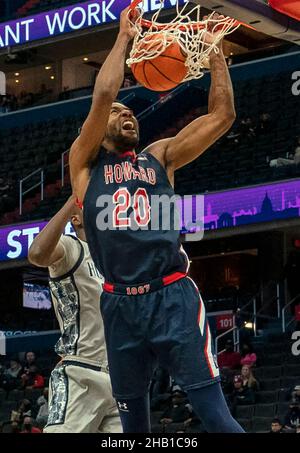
121	141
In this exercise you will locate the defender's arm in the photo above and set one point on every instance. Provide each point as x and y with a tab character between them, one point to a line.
46	249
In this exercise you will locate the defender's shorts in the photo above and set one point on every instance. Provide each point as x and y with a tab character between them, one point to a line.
161	322
80	400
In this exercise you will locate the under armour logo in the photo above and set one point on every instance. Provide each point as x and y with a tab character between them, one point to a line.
123	407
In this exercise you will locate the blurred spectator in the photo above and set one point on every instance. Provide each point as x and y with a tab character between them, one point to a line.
30	359
276	426
248	378
11	377
247	128
31	379
28	428
8	103
240	395
292	418
24	410
248	355
233	136
178	411
284	162
295	396
128	82
297	151
265	124
42	402
291	159
229	358
193	424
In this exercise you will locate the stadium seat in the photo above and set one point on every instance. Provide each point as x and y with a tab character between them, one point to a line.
5	410
266	397
272	372
289	381
246	424
259	373
270	384
292	370
283	394
265	410
15	395
32	394
283	408
291	359
174	427
157	428
272	359
244	412
2	396
261	424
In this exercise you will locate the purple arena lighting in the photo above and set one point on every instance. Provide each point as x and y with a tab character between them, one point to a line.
250	205
231	208
93	13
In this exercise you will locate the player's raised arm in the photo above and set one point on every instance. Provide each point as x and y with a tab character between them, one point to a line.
201	133
107	86
46	249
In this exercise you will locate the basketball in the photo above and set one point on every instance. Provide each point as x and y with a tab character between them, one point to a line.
163	72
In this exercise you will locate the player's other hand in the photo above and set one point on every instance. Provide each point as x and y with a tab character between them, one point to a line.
213	29
127	19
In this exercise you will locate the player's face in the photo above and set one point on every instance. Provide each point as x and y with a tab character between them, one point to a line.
123	127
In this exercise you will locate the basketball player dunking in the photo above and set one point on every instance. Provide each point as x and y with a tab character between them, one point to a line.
152	311
80	390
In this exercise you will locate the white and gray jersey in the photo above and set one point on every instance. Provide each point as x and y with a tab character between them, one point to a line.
76	286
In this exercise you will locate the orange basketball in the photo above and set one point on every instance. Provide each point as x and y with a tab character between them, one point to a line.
165	71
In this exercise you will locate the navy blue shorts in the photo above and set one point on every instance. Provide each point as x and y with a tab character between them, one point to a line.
167	326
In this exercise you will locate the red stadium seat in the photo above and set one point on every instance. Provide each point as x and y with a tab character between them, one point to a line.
289	7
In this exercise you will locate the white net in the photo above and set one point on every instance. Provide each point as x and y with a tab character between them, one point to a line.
197	38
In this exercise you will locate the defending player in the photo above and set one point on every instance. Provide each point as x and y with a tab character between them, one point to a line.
80	395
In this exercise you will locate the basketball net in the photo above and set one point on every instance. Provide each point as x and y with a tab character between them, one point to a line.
187	29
